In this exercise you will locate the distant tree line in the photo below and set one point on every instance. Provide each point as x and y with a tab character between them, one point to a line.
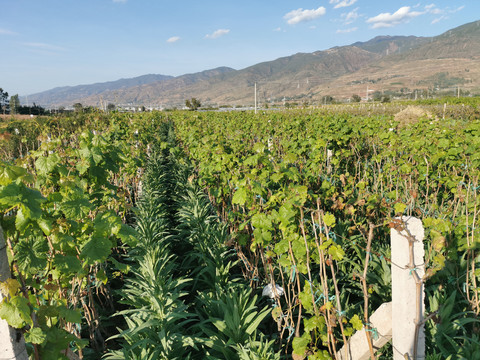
12	106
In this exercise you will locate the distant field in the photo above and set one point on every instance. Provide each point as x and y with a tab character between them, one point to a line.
16	117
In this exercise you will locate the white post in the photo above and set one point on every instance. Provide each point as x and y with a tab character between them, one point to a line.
255	98
408	268
12	344
357	347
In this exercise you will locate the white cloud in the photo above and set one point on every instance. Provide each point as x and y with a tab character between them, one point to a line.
300	15
402	15
342	3
7	32
173	39
43	46
217	33
436	20
350	17
441	13
119	1
346	31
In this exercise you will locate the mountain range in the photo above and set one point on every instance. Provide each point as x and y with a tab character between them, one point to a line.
382	64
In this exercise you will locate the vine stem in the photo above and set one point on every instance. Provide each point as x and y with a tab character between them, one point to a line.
308	259
365	291
297	278
322	275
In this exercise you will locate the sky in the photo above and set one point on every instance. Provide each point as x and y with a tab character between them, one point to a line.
50	43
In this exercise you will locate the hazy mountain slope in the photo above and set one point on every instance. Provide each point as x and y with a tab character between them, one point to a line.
69	94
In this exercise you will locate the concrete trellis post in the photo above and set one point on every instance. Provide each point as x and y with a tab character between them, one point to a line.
408	308
12	344
401	320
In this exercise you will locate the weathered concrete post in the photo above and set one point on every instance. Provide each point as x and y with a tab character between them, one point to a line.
12	344
357	347
408	268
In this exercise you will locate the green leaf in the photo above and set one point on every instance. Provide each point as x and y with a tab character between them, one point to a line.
77	208
35	336
399	208
107	224
96	250
21	221
356	322
17	194
329	219
46	164
290	158
259	147
361	185
281	247
124	268
31	254
261	221
240	196
70	315
101	276
45	225
315	322
10	173
286	214
277	177
336	252
300	344
67	264
128	235
16	312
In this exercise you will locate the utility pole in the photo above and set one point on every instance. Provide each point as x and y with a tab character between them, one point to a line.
255	97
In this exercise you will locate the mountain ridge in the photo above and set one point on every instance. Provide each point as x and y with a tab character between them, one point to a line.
307	76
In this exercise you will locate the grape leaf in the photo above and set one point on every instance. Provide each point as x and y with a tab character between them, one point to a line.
9	287
356	322
16	312
35	336
46	164
96	250
240	196
329	219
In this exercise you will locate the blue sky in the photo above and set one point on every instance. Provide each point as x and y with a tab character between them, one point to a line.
50	43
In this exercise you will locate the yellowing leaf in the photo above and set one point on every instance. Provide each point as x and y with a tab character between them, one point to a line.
400	208
9	287
356	322
329	219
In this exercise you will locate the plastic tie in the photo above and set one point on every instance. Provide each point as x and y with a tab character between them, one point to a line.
291	330
373	330
293	273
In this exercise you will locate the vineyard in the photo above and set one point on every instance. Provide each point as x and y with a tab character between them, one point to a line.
234	235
